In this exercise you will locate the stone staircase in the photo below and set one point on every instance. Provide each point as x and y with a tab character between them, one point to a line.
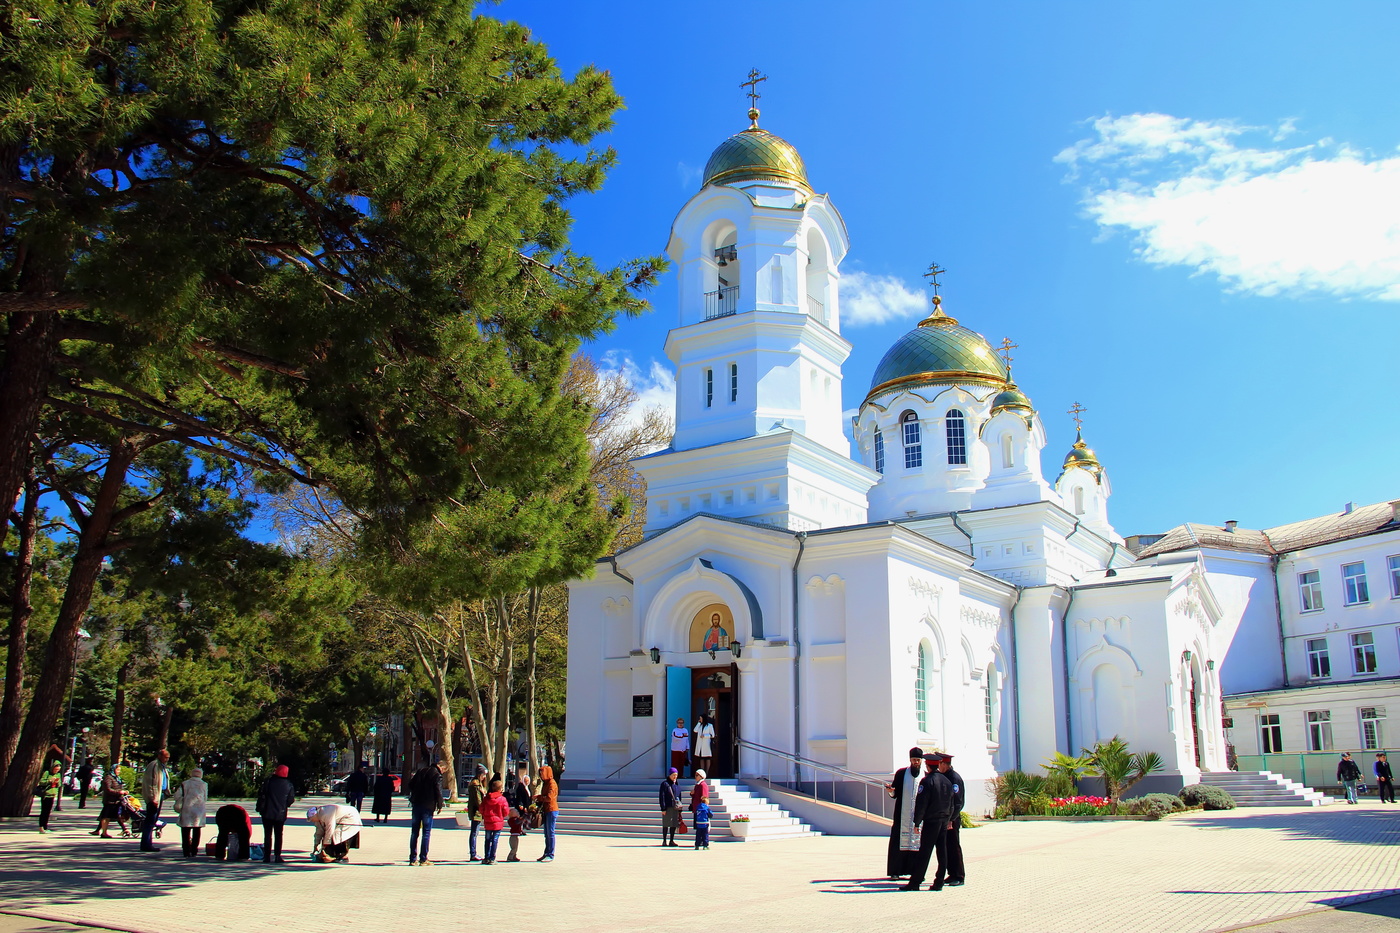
1264	789
628	810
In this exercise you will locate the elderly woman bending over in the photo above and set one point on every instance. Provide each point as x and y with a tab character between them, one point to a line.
337	832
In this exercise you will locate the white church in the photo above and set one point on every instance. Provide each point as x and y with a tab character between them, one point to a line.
932	586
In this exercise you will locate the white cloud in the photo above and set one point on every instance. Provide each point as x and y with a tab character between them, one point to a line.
875	299
689	175
656	387
1319	218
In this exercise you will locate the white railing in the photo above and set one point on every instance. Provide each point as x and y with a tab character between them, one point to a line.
816	309
823	782
721	302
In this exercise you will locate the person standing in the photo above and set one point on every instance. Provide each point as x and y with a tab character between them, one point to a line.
680	746
1385	781
85	773
933	810
50	786
425	800
700	791
155	787
670	800
904	834
189	800
112	791
494	811
477	789
548	802
950	857
383	796
274	804
1348	773
521	799
704	735
356	786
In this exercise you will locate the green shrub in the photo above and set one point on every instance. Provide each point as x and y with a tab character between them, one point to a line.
1059	784
1015	790
1039	805
1207	797
1154	806
967	821
236	785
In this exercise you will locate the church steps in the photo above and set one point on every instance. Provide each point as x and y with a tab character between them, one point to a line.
1264	789
628	809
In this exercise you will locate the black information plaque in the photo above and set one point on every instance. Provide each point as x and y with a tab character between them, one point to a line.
643	705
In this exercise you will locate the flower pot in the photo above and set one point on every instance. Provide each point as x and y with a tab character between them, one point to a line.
464	820
739	830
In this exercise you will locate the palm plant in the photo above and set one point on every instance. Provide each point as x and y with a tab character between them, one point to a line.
1069	767
1016	789
1119	767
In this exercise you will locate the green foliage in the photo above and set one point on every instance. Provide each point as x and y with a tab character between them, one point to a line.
1017	791
1065	768
1059	784
966	821
1207	797
1119	767
1154	806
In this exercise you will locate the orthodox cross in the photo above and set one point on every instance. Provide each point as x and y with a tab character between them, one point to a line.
752	85
934	271
1005	350
1074	413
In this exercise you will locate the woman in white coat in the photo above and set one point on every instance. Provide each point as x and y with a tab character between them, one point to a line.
704	743
337	832
190	798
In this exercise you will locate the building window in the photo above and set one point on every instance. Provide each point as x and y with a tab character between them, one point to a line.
1354	580
1310	590
709	388
921	690
879	451
1008	452
734	382
1270	734
1371	717
913	443
1319	664
1078	500
1393	565
1363	653
992	704
1320	731
957	438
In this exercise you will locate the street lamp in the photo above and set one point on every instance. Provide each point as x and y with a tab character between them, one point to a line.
655	656
68	717
393	669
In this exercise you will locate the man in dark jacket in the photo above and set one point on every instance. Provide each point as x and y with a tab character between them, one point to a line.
274	802
932	811
1348	773
85	774
950	857
670	800
1385	781
425	799
356	786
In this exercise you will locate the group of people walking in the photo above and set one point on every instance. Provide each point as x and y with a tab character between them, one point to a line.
929	797
1349	776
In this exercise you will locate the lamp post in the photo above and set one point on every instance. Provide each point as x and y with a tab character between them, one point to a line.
393	670
68	716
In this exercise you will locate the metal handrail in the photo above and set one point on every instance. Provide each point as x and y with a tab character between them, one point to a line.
722	302
629	764
865	781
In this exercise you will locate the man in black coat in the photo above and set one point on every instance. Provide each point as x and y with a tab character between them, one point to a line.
1385	781
670	799
950	857
897	859
274	803
1348	773
356	786
932	811
425	800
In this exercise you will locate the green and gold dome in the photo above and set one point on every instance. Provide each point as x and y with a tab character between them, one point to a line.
940	351
1011	398
1082	456
756	155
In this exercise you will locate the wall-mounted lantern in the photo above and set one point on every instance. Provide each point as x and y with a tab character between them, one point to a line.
655	656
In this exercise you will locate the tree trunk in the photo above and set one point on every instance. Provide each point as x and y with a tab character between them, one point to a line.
503	683
119	713
30	349
20	611
163	731
531	659
485	732
16	795
446	750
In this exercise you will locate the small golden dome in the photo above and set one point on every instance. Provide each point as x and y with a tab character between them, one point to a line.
756	155
1011	399
1080	455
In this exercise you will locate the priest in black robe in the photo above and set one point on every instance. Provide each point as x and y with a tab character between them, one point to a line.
904	789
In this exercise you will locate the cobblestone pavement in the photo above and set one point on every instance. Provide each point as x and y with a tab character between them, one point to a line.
1192	872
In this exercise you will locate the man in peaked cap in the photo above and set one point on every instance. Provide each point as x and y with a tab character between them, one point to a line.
931	814
950	857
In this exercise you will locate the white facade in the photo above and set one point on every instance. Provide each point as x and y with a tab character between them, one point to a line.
935	589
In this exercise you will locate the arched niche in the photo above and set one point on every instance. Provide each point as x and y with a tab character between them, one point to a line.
680	599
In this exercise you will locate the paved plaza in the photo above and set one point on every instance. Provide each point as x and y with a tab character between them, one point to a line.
1289	870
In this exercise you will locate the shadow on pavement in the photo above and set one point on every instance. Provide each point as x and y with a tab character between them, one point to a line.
1380	828
859	885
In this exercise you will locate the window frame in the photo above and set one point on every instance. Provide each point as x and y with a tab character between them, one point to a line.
709	387
1363	654
1355	591
879	446
992	703
1319	659
921	690
1319	722
1392	565
1270	734
733	383
1375	742
1310	591
911	434
955	437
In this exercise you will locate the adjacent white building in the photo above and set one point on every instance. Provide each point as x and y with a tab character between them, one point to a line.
932	587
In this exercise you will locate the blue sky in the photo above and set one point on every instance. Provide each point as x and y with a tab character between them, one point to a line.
1187	215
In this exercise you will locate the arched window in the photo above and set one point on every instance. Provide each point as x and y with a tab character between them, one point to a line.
709	388
957	437
921	679
913	443
734	382
992	704
1078	500
1008	452
879	451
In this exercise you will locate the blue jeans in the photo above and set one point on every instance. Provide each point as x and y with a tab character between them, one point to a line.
148	826
471	845
493	836
422	819
1351	790
702	835
550	818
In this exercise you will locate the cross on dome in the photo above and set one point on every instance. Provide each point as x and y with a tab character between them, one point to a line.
1075	411
752	85
934	271
1005	349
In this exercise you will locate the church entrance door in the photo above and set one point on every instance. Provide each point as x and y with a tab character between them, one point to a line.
1195	719
712	695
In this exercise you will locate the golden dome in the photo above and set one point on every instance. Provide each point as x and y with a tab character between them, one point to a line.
1080	455
756	155
940	351
1011	399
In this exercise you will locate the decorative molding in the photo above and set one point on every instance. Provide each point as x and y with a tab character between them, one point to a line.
980	617
925	589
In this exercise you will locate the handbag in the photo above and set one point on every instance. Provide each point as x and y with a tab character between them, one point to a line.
536	818
681	827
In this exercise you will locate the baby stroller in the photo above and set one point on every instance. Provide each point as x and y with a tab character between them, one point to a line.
135	815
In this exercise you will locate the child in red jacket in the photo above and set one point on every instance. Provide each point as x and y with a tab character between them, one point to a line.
494	811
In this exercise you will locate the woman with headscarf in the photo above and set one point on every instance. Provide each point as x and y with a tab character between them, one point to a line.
50	786
190	799
274	801
548	800
477	789
337	832
383	796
